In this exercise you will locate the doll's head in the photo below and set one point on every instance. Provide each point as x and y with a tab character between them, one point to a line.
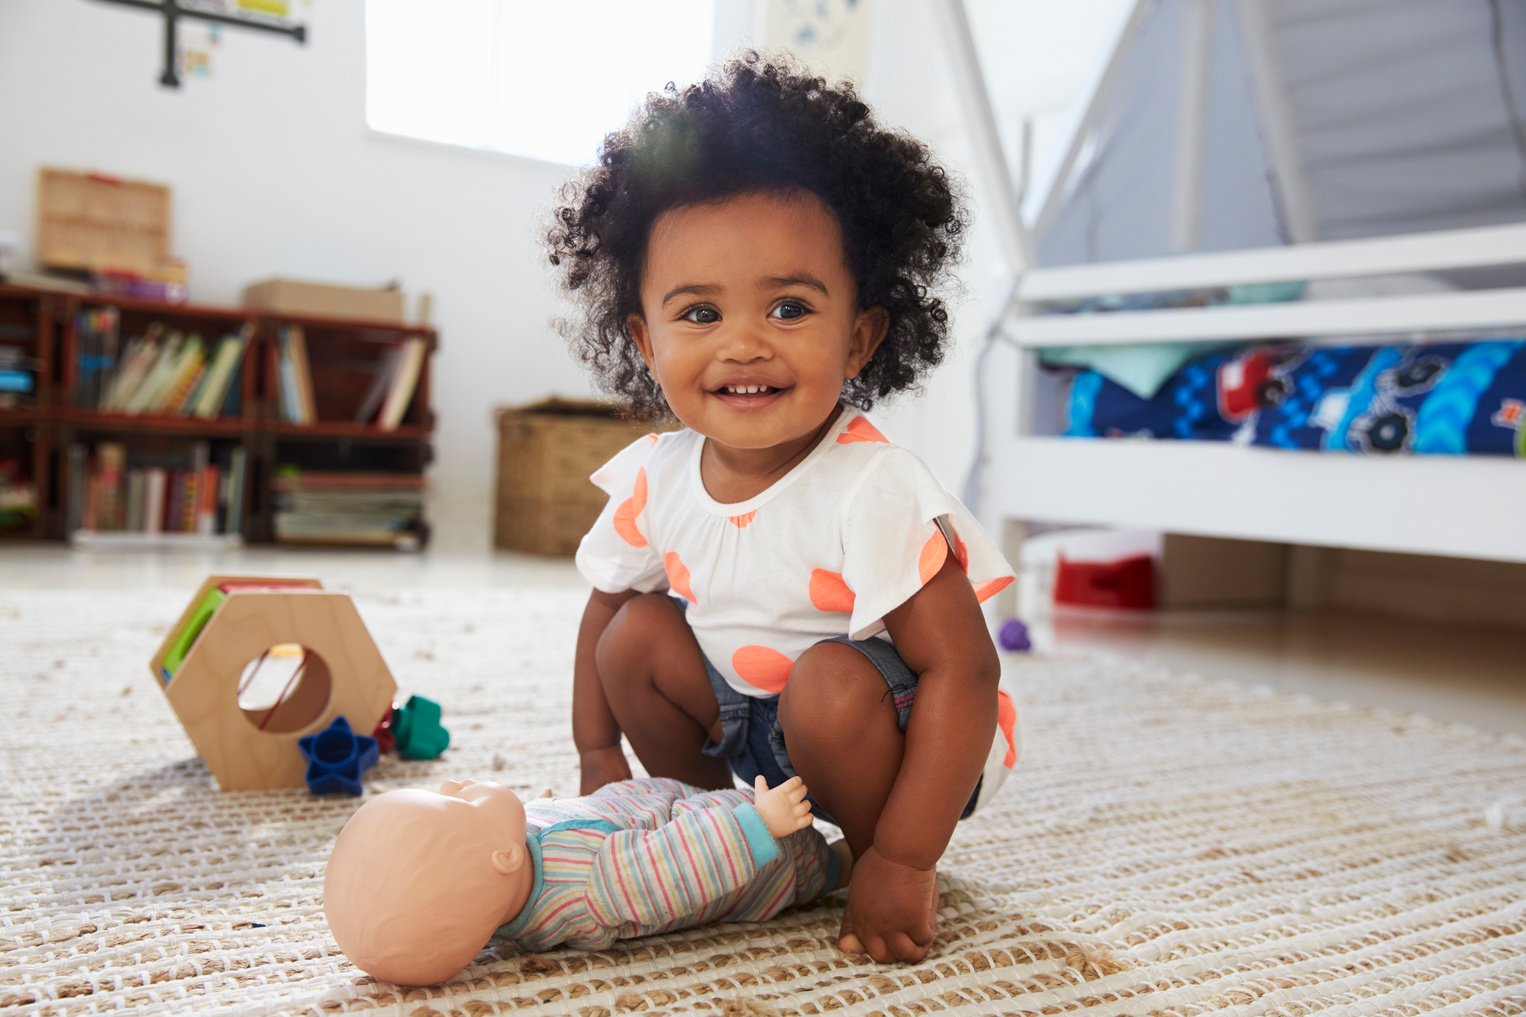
419	880
761	128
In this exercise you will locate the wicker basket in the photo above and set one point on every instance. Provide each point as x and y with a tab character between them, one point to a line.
98	222
546	451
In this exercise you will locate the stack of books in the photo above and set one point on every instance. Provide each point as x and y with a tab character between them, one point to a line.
18	378
161	371
204	496
372	509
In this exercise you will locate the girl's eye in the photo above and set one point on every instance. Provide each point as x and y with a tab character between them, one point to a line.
701	314
789	310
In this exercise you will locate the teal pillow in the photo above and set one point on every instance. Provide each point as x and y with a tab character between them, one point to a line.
1142	368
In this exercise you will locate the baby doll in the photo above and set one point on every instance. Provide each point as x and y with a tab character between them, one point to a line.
420	880
778	589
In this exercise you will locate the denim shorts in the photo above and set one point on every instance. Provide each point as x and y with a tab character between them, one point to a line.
751	740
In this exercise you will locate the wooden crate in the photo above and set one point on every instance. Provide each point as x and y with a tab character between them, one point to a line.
545	501
95	222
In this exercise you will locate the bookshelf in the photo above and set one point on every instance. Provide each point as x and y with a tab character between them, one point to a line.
29	332
128	422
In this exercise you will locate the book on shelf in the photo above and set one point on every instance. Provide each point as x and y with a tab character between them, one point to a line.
304	374
381	379
209	399
187	371
405	380
95	357
294	374
166	358
137	360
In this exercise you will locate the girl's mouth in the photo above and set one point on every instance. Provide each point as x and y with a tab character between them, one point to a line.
748	396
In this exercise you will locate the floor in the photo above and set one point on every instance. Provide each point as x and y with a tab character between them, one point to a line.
1476	676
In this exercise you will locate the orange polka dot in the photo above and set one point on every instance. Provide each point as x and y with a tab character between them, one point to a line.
829	592
762	668
934	553
859	429
630	508
985	591
651	436
743	519
1006	719
678	576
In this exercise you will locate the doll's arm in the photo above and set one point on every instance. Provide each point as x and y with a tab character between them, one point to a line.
594	730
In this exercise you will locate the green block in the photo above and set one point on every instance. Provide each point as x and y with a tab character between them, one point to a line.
186	637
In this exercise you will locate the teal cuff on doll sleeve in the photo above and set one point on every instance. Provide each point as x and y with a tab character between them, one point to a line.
762	844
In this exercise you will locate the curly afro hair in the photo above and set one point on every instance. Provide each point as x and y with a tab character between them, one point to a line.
760	124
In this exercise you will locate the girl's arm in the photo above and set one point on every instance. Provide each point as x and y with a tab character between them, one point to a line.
892	898
941	635
594	730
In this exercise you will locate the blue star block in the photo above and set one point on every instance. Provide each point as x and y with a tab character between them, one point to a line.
336	757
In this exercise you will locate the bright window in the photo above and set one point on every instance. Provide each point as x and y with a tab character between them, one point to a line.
546	80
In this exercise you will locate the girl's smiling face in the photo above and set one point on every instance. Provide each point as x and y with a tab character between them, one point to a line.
750	320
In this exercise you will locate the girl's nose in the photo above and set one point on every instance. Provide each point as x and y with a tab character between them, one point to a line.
744	344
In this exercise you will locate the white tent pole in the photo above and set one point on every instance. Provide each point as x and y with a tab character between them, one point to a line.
1277	123
1082	125
1191	126
1005	212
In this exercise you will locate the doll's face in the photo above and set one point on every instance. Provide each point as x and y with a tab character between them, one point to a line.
750	320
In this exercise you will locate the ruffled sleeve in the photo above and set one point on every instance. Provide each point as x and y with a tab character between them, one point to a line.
899	527
615	554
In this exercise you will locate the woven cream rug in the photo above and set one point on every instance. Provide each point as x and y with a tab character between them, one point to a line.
1173	846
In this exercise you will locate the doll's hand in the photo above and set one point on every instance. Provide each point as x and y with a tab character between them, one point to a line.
784	808
602	766
892	911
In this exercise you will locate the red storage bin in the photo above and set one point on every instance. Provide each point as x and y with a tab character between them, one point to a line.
1127	583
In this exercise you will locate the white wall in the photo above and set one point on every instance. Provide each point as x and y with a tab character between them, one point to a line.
274	171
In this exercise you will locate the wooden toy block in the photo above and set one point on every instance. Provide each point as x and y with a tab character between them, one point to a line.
344	676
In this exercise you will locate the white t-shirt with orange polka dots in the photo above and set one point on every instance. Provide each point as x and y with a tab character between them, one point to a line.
848	535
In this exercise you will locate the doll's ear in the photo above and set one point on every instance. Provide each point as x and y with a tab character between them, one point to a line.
508	860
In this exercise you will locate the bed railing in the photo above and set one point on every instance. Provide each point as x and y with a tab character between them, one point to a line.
1450	505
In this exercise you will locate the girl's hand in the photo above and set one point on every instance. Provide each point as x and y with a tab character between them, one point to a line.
784	808
892	912
602	766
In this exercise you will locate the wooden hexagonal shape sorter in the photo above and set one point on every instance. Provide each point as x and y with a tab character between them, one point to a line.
235	620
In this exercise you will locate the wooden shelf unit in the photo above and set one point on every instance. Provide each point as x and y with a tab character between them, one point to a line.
44	325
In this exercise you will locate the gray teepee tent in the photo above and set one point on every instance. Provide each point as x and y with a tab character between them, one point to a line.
1222	124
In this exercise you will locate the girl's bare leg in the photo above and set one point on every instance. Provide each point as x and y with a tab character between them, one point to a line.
654	678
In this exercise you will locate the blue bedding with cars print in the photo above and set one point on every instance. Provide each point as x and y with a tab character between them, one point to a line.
1447	398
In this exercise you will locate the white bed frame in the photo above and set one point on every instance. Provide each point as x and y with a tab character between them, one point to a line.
1472	507
1468	506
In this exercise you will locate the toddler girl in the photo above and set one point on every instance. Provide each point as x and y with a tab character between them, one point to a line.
778	590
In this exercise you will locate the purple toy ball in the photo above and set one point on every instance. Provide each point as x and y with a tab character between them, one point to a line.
1013	635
